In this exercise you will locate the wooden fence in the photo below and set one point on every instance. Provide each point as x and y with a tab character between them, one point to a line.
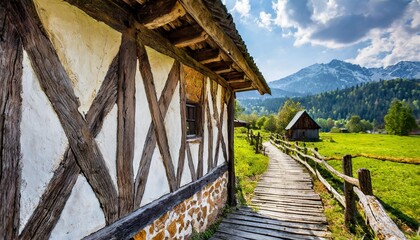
256	141
361	187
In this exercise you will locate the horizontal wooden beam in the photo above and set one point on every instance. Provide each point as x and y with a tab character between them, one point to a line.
154	14
204	18
208	56
233	75
190	40
128	226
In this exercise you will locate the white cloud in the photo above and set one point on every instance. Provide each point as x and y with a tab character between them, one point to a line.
401	41
242	7
265	20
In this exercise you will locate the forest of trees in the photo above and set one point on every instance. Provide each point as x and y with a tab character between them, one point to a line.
369	101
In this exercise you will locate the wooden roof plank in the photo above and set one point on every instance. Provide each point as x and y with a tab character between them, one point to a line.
204	18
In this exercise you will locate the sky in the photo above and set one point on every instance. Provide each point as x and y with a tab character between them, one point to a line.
284	36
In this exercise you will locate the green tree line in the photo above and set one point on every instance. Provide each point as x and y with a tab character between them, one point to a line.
369	101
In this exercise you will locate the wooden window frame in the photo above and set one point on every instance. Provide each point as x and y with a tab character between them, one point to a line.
193	117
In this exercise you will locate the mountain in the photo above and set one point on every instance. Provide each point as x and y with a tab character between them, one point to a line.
338	74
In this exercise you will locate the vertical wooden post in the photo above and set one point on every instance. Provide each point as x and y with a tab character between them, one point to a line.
349	214
257	143
365	181
231	158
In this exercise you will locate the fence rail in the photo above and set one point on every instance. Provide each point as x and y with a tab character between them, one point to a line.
376	217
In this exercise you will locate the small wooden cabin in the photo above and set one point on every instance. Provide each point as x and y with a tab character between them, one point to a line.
302	128
117	117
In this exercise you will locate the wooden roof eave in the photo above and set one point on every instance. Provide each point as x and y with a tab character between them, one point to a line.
203	17
121	17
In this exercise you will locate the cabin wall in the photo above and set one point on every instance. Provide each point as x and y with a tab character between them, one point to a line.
194	214
87	48
304	134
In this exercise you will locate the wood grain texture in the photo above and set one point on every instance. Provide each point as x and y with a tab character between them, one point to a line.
182	148
11	55
209	137
130	225
57	86
287	207
54	198
204	18
156	114
150	144
126	122
231	156
154	14
201	129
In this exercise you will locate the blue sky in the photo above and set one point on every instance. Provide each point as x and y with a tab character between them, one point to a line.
284	36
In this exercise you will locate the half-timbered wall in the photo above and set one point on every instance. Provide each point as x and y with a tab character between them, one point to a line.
102	129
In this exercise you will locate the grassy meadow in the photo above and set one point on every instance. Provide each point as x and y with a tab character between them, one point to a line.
395	182
248	165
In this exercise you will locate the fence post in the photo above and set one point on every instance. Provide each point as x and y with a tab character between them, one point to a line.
349	214
257	143
365	181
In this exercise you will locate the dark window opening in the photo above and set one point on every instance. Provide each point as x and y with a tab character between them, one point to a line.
193	120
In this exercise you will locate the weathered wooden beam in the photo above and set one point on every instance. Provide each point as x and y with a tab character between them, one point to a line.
182	148
186	36
231	156
116	14
54	198
242	85
130	225
164	46
210	137
190	40
57	86
204	97
11	56
208	56
154	14
238	80
204	18
156	114
150	144
219	123
349	198
126	122
233	75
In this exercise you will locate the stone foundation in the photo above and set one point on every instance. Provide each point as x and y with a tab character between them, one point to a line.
196	213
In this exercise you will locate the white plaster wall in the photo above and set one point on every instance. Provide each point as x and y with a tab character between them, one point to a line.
43	142
143	120
157	183
81	215
107	142
174	128
194	152
161	65
85	46
186	174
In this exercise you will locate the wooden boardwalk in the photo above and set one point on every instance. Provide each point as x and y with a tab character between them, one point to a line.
287	207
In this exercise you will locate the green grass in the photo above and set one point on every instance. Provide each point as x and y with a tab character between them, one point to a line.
248	166
395	183
379	146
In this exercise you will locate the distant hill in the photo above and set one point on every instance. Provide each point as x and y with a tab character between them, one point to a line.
368	100
335	75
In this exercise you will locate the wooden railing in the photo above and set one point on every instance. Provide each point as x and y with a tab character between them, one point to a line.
361	187
256	141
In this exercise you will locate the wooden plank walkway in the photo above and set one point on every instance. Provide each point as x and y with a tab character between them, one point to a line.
287	206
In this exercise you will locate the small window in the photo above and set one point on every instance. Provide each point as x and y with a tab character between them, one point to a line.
193	120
